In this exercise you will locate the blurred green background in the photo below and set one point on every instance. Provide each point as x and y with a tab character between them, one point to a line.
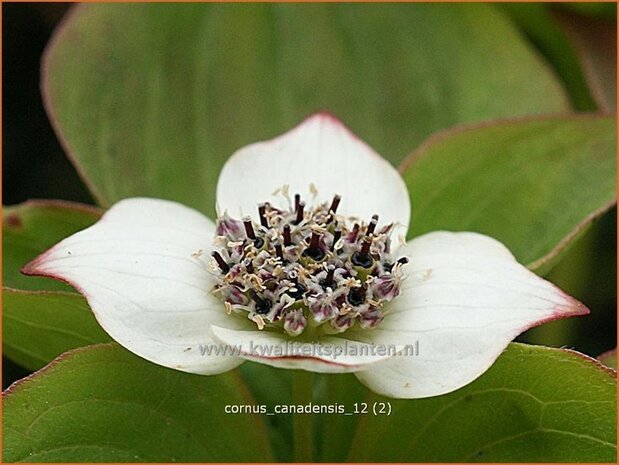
566	36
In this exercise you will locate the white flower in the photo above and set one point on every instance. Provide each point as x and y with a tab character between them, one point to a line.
147	272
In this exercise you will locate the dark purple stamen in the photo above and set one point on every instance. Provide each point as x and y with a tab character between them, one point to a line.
363	257
263	219
372	225
299	210
223	266
328	281
279	251
249	266
287	237
314	241
249	228
335	203
354	233
314	251
297	200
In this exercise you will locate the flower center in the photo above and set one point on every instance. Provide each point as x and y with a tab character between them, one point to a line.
305	269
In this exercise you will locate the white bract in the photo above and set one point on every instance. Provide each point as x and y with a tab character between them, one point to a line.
313	282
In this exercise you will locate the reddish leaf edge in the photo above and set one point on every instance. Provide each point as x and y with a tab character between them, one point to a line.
21	383
443	134
610	371
57	204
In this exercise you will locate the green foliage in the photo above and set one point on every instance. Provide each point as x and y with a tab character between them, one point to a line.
514	412
151	99
192	83
535	404
536	20
534	184
39	326
102	403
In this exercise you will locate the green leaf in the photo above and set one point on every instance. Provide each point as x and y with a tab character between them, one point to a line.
103	404
535	404
31	228
534	184
537	21
39	326
150	99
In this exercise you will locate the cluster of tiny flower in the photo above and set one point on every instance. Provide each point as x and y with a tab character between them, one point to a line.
303	269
